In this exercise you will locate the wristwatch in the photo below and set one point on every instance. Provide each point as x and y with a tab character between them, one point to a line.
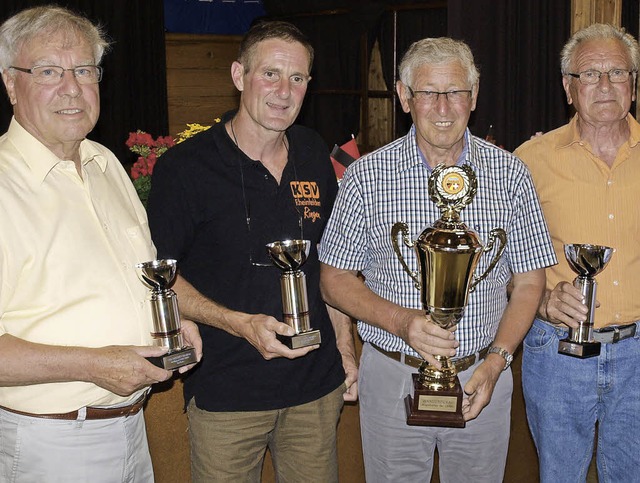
499	350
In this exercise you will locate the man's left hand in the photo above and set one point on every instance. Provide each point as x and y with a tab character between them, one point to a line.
191	336
351	370
480	388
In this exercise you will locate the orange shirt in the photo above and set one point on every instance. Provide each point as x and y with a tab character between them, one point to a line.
586	201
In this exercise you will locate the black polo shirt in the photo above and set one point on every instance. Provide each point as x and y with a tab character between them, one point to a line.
203	191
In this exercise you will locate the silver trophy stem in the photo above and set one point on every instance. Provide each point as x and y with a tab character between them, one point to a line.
588	287
295	307
166	319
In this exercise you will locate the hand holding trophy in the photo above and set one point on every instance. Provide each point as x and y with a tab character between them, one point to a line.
158	275
587	261
289	256
447	252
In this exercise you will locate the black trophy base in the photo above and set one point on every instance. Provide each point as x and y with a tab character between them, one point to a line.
429	407
304	339
175	359
581	350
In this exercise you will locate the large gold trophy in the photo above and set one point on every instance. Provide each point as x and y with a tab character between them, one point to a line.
448	252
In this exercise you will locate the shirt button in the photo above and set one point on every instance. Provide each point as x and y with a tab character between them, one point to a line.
616	283
609	182
617	316
611	216
105	226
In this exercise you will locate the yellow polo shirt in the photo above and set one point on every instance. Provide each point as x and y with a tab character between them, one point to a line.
68	246
586	201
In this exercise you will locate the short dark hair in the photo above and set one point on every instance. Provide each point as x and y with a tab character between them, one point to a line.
271	29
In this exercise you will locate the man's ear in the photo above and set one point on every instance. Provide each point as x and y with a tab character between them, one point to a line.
237	75
9	83
403	95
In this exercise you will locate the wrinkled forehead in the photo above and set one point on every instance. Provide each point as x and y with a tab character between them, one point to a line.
596	53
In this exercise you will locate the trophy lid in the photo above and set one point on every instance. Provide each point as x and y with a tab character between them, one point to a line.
289	255
157	274
587	260
452	188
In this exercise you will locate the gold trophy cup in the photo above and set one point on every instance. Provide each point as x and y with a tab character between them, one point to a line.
447	252
587	261
289	256
158	275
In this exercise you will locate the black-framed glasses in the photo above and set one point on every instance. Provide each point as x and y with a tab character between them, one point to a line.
592	76
51	75
459	96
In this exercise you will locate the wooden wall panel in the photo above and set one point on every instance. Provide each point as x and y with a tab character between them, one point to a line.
587	12
199	86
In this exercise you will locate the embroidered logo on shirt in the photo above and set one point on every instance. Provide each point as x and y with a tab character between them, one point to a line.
307	194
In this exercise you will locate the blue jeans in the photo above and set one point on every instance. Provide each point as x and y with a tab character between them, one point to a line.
565	397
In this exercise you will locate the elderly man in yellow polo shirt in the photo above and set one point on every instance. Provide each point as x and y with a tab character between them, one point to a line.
74	328
587	174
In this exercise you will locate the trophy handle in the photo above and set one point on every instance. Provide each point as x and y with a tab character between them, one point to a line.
401	227
496	233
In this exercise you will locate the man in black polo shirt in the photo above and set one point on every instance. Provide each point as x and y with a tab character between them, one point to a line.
217	200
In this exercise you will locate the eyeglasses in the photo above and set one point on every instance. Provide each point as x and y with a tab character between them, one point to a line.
589	77
51	75
431	97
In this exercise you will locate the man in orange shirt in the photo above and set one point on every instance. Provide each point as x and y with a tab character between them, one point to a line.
587	174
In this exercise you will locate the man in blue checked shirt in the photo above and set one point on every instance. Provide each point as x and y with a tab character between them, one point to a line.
438	86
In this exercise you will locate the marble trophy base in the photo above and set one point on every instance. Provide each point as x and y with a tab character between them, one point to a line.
581	350
429	407
303	339
175	359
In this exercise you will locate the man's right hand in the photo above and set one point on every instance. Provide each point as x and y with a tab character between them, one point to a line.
124	370
424	336
260	331
563	305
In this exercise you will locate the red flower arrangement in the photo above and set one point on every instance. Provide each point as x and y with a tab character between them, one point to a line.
149	150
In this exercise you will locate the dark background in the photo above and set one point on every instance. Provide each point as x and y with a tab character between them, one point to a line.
516	45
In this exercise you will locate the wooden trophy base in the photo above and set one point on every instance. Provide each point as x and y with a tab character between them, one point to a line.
435	408
581	350
304	339
175	359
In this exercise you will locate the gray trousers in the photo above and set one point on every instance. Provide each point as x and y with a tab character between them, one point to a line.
396	452
34	450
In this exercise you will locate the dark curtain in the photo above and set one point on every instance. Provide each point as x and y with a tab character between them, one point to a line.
518	53
133	90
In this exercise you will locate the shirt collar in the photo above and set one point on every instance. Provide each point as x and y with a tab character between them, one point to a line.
572	135
40	159
412	156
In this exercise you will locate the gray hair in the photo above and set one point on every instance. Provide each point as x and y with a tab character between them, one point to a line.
47	20
440	50
599	31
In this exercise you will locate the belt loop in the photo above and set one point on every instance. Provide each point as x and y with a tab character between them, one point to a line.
616	334
82	416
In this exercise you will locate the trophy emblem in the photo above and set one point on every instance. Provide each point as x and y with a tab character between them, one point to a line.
587	261
158	275
289	256
448	253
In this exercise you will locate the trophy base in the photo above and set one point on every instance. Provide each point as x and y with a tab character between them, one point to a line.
428	407
175	359
581	350
304	339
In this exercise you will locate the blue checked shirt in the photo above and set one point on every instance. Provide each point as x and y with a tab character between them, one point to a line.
390	185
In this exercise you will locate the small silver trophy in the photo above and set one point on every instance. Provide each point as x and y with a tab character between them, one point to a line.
587	261
289	256
158	275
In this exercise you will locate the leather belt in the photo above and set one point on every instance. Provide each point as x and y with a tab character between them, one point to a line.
614	333
461	364
92	413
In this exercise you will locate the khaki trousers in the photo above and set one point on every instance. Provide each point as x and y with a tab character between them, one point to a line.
230	446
